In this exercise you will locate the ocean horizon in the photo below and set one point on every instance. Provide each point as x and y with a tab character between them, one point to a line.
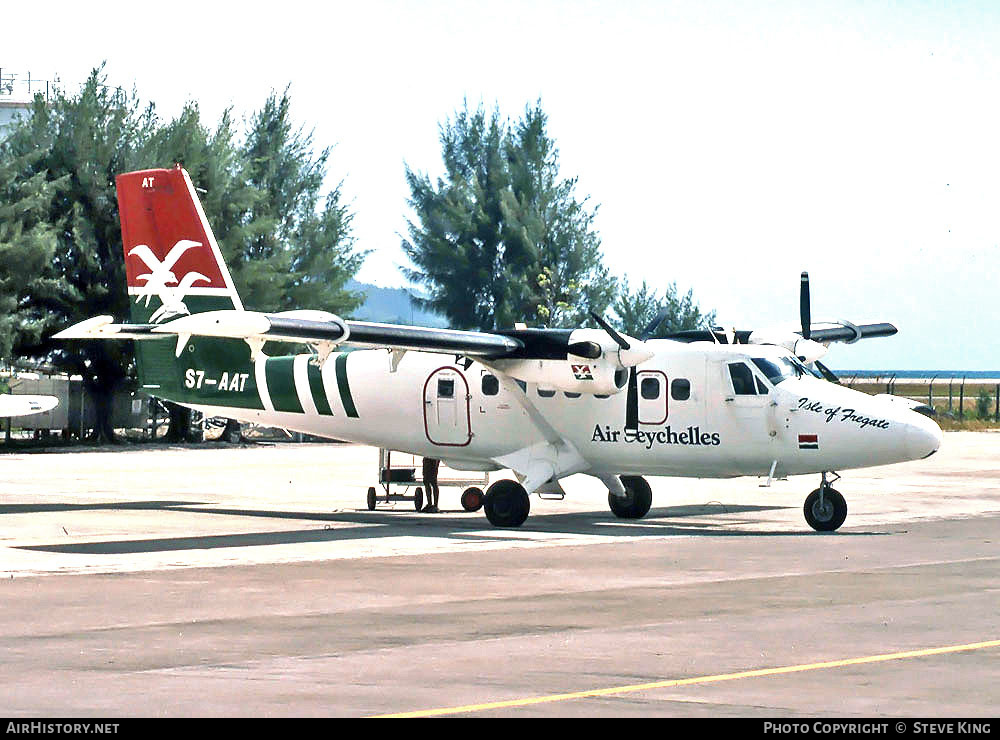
936	374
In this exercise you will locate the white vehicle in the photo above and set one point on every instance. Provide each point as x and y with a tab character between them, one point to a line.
545	403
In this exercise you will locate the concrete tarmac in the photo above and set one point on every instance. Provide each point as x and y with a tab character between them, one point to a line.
254	581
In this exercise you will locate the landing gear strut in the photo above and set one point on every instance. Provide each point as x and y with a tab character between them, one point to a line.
506	504
825	509
637	500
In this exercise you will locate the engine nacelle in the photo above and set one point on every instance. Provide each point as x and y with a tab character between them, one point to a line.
599	377
806	349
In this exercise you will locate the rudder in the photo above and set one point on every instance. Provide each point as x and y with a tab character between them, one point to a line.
173	268
173	263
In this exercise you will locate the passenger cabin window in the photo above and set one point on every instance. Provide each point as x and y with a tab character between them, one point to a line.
545	394
570	394
743	379
491	386
680	389
446	387
650	388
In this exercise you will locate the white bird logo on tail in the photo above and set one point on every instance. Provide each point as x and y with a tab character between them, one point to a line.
162	273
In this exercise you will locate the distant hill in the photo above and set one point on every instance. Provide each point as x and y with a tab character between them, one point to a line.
392	306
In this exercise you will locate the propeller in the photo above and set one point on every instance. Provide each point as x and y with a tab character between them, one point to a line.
805	311
826	372
662	314
628	358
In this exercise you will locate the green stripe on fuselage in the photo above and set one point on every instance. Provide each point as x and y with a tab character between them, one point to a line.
316	388
281	384
344	386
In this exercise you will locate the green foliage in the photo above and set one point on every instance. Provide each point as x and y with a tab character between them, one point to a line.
984	404
61	259
292	253
29	286
635	310
501	238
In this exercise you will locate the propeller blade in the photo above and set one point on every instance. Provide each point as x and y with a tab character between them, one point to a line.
826	372
805	312
632	402
662	314
611	332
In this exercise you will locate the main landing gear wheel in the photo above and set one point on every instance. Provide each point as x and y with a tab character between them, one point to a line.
472	499
638	498
418	498
371	498
506	504
826	512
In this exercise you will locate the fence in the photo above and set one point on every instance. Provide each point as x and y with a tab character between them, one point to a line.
956	397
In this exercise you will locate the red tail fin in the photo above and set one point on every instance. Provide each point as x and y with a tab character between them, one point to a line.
172	261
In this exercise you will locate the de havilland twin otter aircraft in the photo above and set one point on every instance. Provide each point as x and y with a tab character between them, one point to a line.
544	403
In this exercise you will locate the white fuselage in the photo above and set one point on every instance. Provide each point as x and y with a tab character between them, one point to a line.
693	422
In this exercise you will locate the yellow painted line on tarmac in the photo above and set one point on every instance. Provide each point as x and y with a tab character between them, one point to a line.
513	703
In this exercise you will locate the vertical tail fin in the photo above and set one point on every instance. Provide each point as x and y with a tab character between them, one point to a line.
174	267
172	261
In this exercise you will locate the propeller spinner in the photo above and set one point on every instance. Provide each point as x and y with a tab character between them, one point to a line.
628	357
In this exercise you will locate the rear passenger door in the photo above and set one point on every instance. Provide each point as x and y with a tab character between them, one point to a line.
653	403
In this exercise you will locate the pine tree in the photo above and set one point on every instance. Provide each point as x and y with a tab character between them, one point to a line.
29	287
501	238
295	247
571	278
634	310
289	245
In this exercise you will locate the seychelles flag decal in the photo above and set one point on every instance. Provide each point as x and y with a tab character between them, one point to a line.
808	441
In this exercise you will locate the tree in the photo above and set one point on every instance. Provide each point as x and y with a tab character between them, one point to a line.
571	278
28	284
262	197
635	310
295	247
75	146
501	238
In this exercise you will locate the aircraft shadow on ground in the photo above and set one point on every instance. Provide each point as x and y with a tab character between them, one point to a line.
454	525
121	505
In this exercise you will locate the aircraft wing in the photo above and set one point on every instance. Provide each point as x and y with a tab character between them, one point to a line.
847	332
820	332
307	327
25	405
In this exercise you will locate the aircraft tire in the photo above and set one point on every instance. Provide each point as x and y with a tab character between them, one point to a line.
506	504
371	498
418	498
638	498
472	499
830	516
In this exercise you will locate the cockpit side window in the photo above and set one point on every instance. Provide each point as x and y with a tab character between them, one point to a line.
782	369
743	380
775	371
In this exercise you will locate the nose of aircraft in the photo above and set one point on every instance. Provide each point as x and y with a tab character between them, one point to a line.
923	436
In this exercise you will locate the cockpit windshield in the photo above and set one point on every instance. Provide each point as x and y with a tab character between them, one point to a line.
782	368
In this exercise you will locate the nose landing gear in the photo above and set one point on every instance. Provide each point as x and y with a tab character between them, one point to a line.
825	509
636	501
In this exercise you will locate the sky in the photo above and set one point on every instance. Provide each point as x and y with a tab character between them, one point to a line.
728	146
